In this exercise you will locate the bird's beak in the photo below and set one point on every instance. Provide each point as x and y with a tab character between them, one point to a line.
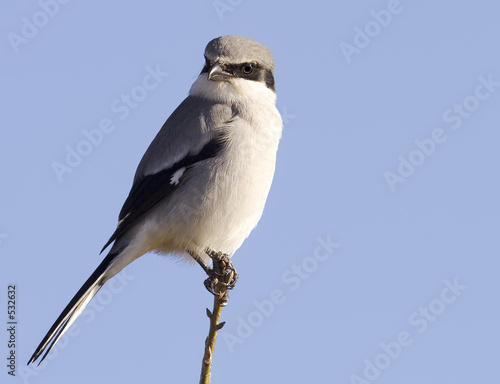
218	74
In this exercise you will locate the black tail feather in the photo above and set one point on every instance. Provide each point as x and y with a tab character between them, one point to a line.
73	309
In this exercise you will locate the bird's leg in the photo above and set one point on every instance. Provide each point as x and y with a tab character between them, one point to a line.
222	277
200	261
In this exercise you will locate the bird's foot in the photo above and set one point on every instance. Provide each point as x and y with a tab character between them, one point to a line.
221	277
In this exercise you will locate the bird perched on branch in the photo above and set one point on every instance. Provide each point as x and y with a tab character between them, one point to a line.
201	186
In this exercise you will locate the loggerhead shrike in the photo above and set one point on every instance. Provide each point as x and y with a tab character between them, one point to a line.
201	186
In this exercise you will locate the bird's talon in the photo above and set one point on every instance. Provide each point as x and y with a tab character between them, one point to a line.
222	277
229	277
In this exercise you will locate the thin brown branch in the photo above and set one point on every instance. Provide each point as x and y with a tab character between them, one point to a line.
206	366
220	282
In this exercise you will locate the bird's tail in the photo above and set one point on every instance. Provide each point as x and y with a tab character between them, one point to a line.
74	308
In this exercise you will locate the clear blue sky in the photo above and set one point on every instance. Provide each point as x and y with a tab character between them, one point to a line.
376	260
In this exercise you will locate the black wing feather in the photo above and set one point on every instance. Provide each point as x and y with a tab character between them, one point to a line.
151	189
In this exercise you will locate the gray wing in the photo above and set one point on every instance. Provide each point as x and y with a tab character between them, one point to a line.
192	133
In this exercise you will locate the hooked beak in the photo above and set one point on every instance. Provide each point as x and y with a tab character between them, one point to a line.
218	74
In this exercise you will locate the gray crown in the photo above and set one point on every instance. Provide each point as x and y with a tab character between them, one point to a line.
233	49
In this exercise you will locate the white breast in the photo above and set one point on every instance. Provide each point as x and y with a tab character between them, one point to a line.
235	184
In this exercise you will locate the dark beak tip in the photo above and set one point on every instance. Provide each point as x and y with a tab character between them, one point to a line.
218	74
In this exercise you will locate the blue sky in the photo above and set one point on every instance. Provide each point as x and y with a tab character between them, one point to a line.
376	260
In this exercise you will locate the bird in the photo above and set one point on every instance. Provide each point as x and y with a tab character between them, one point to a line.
201	186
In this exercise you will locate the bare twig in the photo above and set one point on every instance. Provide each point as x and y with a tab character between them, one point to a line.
214	316
219	283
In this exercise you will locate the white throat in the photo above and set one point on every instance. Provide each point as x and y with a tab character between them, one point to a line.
235	91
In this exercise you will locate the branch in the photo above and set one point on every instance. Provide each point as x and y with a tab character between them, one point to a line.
214	317
220	281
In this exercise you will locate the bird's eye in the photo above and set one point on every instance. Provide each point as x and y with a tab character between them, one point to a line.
247	68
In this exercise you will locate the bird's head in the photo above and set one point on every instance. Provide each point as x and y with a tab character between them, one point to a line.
236	67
